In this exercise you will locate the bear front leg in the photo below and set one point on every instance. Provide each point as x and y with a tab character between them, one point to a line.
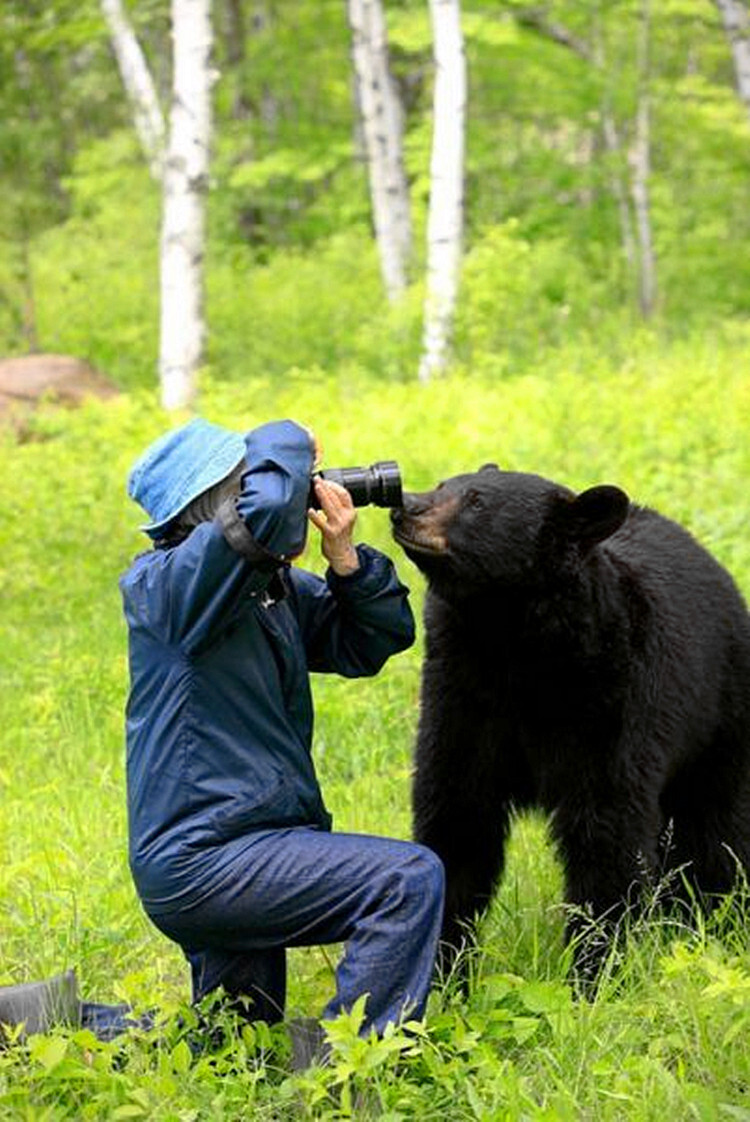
462	812
472	853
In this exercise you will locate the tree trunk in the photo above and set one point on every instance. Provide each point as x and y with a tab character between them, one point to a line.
264	16
638	255
382	126
233	26
614	149
445	217
619	192
235	32
28	314
737	26
139	86
640	160
183	220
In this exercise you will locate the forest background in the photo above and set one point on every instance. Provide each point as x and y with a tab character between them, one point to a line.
563	362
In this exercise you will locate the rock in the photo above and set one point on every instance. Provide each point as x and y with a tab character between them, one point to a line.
62	379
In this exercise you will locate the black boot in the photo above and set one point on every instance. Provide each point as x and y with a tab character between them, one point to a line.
39	1005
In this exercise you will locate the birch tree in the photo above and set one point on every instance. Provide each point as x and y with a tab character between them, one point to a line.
382	130
640	160
446	206
614	147
139	86
736	21
183	218
630	187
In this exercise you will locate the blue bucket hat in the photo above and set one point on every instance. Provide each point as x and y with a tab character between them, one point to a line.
179	466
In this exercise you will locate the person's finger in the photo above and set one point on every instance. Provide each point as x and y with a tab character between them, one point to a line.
341	492
329	496
318	519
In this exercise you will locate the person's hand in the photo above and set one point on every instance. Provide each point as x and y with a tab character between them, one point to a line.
335	520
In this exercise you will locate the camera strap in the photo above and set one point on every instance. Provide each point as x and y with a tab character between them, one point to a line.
237	535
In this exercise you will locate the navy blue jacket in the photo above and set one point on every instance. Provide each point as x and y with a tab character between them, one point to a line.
219	717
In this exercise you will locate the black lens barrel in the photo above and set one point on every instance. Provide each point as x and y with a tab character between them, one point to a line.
377	485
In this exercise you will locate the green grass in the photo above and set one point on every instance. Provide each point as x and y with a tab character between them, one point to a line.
668	1034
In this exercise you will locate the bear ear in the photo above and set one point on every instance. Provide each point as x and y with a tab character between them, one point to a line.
489	467
596	514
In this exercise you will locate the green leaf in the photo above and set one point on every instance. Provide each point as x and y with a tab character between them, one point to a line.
181	1057
48	1051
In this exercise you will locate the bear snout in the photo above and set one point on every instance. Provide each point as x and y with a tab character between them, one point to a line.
419	524
414	504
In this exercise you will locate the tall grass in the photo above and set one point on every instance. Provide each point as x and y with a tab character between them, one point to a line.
667	1034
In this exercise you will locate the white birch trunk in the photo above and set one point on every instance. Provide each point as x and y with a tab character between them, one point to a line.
640	161
139	86
737	26
614	148
446	208
383	130
183	218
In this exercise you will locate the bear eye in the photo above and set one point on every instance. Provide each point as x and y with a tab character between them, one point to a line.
475	500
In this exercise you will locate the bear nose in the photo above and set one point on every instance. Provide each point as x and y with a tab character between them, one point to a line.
410	503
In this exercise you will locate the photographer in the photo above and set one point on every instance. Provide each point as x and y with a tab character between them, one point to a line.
230	842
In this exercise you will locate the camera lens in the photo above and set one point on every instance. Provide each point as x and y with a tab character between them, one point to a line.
378	485
356	481
387	489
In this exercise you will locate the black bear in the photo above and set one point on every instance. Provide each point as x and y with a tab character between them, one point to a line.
588	657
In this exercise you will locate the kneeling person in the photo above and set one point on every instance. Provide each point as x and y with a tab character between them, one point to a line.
230	842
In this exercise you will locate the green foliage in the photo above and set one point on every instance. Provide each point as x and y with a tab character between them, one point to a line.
522	298
292	275
96	276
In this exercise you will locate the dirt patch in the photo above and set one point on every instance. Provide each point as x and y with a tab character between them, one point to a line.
29	380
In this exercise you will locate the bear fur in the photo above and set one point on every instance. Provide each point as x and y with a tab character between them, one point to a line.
588	657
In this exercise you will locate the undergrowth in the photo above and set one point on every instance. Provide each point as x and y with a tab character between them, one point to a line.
665	1035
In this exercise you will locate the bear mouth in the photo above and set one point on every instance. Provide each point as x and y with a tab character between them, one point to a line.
432	545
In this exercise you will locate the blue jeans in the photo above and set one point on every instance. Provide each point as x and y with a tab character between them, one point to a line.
302	887
109	1021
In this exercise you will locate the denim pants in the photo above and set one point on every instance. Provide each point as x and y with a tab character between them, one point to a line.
300	887
109	1021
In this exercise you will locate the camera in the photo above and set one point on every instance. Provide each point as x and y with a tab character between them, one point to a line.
379	484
